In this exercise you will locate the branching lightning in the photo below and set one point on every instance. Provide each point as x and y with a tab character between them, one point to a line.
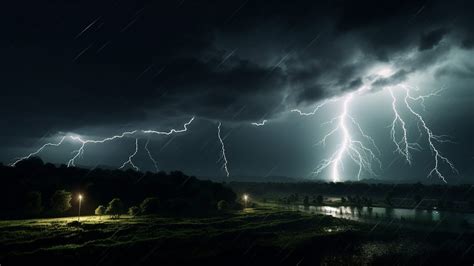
316	109
403	147
85	142
38	151
223	156
361	154
171	131
129	161
80	151
155	163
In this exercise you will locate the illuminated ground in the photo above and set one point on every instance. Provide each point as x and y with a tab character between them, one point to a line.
253	236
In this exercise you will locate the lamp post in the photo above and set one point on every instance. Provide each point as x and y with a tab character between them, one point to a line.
80	201
246	199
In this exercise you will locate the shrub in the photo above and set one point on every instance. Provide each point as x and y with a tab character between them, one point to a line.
100	210
115	208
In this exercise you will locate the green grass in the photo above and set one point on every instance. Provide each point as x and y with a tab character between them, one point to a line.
262	235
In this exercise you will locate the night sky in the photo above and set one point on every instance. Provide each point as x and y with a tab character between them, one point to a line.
97	68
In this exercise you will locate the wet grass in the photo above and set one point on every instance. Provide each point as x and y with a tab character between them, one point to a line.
257	236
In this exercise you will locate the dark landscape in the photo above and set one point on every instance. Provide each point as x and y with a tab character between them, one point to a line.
197	222
237	132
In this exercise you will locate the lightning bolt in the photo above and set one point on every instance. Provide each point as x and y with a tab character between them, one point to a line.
38	151
432	139
155	163
316	109
171	131
129	161
80	151
223	156
350	147
403	147
85	142
259	124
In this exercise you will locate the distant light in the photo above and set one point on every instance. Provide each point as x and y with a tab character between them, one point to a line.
80	197
246	197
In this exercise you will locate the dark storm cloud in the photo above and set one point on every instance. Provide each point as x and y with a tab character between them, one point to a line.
72	65
431	39
394	79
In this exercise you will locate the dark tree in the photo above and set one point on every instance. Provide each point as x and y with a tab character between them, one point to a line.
319	199
150	206
61	201
115	208
368	202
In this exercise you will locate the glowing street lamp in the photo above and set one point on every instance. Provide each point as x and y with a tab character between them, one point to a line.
80	201
246	199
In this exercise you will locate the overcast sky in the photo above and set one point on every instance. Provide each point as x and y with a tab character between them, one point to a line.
98	68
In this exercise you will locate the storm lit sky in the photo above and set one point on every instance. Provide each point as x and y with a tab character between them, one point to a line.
94	69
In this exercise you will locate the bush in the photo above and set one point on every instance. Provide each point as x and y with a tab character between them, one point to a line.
150	206
133	211
100	210
115	208
222	205
61	201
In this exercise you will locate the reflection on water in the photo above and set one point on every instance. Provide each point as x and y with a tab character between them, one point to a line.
412	216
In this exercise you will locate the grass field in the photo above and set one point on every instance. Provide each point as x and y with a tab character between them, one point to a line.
258	236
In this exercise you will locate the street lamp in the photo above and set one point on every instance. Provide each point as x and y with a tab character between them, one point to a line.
246	199
80	201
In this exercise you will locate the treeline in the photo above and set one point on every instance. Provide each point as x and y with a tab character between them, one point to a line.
358	189
35	189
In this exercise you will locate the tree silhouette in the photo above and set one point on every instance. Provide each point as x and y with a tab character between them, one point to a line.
61	201
115	208
319	199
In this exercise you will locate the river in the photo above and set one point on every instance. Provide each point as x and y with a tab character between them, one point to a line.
448	220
